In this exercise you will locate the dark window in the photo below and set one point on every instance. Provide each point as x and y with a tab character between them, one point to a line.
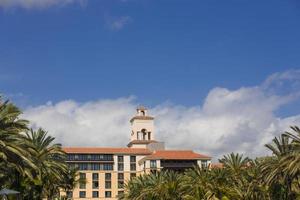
82	185
120	176
71	157
107	184
69	194
107	193
95	184
132	175
82	157
95	166
132	167
152	163
120	158
120	193
132	159
95	176
83	166
82	194
120	184
107	176
120	167
95	194
107	166
82	177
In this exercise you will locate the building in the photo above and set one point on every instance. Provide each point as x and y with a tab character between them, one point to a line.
107	169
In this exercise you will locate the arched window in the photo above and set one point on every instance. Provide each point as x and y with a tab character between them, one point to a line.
144	133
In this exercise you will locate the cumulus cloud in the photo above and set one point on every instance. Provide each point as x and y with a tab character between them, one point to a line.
240	120
39	4
117	23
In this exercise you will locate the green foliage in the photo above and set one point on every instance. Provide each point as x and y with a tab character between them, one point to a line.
29	161
33	164
267	178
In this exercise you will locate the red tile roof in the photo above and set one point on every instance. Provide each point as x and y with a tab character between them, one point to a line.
104	150
217	165
176	155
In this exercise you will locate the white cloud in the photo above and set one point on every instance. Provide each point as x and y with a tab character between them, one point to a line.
117	23
38	4
241	120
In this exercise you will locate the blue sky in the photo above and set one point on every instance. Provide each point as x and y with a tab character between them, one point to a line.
155	50
221	72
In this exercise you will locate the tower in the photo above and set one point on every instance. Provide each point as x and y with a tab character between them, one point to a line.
142	128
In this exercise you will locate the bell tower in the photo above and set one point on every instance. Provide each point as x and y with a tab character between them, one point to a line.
142	128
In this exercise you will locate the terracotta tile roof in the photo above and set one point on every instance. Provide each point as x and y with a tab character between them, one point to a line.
104	150
142	117
216	165
141	142
176	155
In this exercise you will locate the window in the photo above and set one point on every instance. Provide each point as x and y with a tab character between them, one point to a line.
107	194
95	184
82	194
132	159
204	163
95	176
107	184
101	157
69	194
95	194
71	157
120	167
82	185
149	135
132	167
82	157
120	158
120	184
120	193
82	177
83	166
95	166
152	163
132	175
120	176
107	180
107	176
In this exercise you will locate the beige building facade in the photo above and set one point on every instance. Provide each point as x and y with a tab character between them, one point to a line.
106	170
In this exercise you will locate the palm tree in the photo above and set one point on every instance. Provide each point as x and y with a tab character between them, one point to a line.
13	149
206	184
235	162
273	172
164	185
50	159
249	186
70	180
292	160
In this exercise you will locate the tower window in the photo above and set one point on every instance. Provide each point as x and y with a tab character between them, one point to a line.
149	135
